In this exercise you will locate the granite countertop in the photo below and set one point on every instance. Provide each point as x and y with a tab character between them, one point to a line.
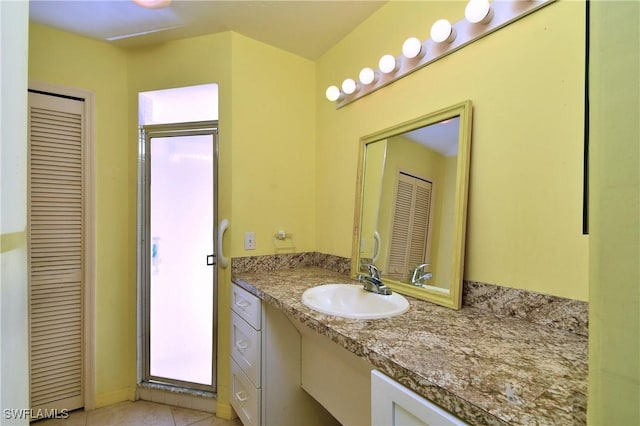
483	368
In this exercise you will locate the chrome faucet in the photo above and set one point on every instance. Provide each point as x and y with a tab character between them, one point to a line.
373	282
419	275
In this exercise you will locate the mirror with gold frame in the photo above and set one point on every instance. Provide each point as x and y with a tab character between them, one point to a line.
411	205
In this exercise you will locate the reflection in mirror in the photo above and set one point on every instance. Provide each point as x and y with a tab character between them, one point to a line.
411	205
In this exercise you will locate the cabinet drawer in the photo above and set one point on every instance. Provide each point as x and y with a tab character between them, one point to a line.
246	305
245	398
245	348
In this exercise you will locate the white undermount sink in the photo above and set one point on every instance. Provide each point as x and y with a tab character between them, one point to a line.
352	301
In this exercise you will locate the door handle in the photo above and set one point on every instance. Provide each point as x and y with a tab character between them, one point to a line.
242	344
376	239
241	303
224	224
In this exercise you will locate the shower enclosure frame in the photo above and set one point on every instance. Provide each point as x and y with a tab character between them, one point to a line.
146	133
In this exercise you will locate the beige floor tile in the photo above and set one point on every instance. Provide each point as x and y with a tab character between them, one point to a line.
76	418
140	413
215	421
185	417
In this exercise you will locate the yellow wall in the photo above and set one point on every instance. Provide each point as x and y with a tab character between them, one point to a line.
65	59
446	228
614	293
526	85
273	147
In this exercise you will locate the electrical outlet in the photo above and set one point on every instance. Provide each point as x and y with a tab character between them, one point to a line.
249	240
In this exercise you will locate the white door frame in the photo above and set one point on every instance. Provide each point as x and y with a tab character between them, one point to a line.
89	368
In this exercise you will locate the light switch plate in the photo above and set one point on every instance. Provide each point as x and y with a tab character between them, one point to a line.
249	240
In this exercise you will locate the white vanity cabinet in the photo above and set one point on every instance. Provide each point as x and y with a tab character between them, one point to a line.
246	340
393	404
265	367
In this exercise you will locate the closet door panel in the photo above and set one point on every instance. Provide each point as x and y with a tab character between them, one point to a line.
56	241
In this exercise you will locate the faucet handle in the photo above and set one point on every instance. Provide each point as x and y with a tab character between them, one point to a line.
374	272
418	274
422	266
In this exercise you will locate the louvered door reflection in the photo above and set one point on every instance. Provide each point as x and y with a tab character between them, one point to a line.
410	226
56	251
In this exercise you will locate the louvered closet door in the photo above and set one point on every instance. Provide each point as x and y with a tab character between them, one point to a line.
420	223
56	251
410	226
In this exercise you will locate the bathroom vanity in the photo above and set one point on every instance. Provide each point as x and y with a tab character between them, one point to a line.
265	389
478	367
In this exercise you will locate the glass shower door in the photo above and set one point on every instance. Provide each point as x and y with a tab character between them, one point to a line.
181	270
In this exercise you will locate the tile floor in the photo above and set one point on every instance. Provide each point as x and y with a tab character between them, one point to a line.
139	413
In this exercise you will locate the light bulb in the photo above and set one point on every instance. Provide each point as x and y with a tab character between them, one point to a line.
332	93
412	48
387	64
367	76
442	31
349	86
478	12
153	4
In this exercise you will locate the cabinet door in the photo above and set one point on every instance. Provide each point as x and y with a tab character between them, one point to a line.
394	404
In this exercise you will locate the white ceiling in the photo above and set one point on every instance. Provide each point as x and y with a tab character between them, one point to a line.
441	137
307	28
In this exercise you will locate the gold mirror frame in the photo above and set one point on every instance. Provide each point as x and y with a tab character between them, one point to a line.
464	111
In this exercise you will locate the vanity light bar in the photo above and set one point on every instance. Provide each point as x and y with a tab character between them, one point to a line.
481	18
